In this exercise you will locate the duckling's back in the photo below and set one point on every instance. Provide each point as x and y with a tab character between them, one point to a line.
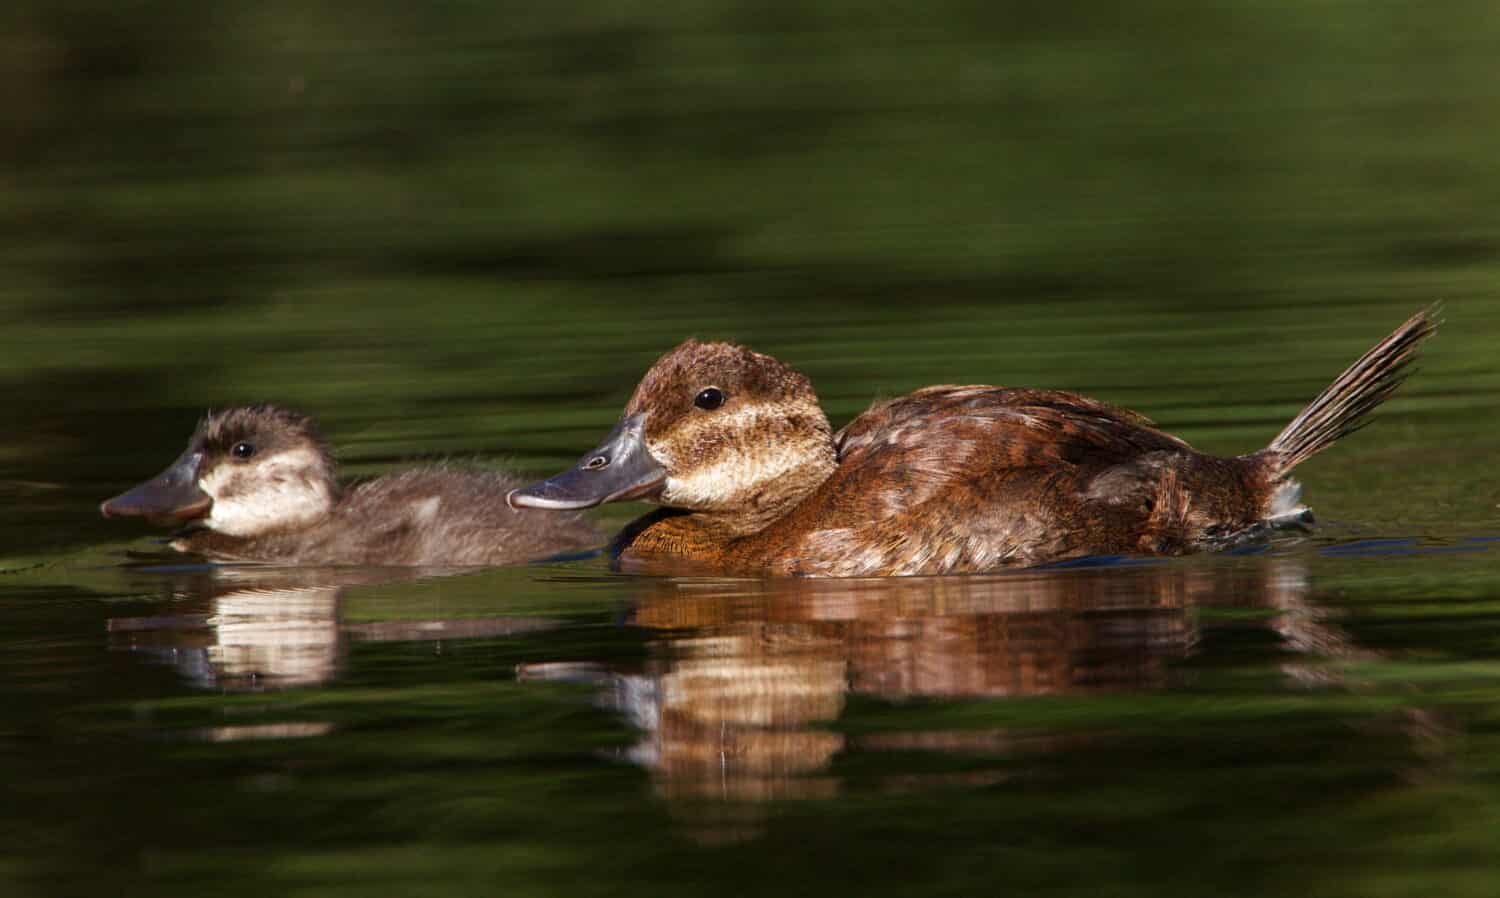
435	515
454	515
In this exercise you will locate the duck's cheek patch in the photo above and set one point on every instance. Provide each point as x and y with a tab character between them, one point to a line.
731	480
278	493
713	487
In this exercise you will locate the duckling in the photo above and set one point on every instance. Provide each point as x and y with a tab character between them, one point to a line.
949	479
258	483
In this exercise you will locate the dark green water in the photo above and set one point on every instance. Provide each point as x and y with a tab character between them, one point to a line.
467	229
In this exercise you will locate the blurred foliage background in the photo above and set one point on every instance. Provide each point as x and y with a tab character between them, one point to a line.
460	227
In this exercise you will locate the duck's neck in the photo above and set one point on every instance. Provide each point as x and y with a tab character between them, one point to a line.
769	497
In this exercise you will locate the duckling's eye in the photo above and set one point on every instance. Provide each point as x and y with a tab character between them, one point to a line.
709	399
243	450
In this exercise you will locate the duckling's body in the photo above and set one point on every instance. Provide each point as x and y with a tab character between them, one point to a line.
947	479
436	515
258	484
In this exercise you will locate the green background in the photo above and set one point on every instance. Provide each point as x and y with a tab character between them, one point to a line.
465	229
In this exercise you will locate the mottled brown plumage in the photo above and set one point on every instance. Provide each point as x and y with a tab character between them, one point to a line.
259	484
947	479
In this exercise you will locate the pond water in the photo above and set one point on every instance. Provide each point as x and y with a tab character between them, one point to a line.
466	232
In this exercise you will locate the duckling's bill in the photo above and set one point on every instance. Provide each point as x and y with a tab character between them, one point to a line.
618	470
171	496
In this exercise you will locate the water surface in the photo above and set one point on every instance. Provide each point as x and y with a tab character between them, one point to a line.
466	230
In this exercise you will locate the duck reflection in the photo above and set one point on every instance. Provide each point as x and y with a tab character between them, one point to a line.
254	627
745	676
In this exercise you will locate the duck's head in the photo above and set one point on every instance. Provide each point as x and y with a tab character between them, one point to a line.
713	428
246	472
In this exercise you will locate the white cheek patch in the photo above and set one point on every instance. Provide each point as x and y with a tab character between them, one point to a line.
729	482
288	489
759	450
732	479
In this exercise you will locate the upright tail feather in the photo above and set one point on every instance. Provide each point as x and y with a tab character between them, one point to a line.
1344	406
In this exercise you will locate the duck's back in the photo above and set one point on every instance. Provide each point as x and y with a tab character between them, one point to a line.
951	479
435	515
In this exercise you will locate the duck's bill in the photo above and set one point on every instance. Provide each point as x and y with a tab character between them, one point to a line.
170	497
619	470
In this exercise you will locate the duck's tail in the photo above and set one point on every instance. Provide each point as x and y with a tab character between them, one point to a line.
1345	405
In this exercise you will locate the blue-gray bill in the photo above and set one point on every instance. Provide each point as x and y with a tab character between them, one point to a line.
619	469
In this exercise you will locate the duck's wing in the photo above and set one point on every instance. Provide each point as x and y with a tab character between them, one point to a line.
955	478
1029	426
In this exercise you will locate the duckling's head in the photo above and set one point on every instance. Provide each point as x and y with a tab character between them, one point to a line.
714	428
247	471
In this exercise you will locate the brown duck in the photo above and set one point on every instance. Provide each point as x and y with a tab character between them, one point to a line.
259	484
947	479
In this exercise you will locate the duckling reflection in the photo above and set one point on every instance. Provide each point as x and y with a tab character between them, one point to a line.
274	637
254	628
746	676
226	632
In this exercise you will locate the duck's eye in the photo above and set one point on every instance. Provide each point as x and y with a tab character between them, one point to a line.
709	399
243	450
